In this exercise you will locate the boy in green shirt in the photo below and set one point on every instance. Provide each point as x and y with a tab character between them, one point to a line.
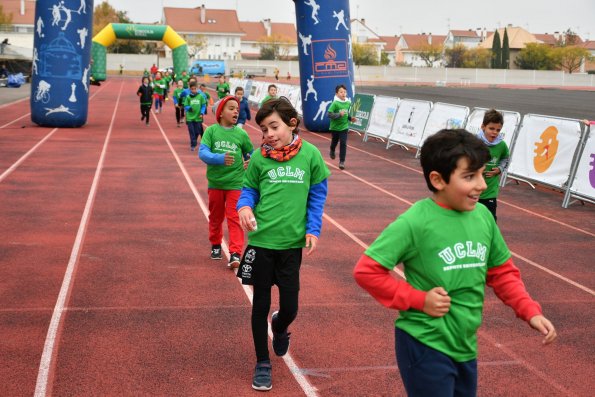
222	88
271	94
491	126
193	105
281	207
225	148
450	248
338	112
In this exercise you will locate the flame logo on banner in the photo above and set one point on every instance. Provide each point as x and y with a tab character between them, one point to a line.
545	151
592	172
329	53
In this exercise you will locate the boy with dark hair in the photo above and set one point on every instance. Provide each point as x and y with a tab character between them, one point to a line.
491	126
271	94
145	94
244	107
205	93
338	112
222	88
194	104
450	248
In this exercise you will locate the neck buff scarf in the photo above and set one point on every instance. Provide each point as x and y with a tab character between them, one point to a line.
481	136
286	153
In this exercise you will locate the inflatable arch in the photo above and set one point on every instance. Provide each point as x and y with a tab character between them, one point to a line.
114	31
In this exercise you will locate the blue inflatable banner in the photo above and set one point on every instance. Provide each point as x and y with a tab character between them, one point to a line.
61	62
324	44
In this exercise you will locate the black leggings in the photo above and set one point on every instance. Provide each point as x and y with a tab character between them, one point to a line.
261	305
145	111
179	113
341	138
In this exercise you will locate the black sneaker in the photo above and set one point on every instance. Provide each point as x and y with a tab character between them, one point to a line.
234	260
216	253
262	377
280	339
332	154
341	165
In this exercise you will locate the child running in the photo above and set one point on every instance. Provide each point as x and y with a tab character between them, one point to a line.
271	94
222	88
205	93
145	93
281	207
491	126
225	148
158	91
244	114
451	248
179	102
193	105
338	112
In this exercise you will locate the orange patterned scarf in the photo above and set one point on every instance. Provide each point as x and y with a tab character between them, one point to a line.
286	153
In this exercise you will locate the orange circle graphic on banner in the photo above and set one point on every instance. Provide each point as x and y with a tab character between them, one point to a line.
546	149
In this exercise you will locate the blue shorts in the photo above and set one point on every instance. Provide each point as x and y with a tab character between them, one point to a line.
426	372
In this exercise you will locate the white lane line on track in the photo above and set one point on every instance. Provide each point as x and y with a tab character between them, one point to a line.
26	155
43	386
306	386
499	200
361	243
33	149
14	121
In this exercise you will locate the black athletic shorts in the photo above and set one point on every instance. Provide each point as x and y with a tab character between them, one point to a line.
263	267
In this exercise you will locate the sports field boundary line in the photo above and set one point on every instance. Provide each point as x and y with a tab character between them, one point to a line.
14	121
48	357
499	200
24	157
309	389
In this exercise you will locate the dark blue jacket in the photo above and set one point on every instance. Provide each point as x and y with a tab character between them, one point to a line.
244	111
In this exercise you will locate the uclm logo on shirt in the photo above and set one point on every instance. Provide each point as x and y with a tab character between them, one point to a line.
546	149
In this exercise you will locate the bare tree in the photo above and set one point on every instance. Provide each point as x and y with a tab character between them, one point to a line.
430	53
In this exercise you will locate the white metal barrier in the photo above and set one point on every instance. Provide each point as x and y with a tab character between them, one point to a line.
382	117
443	115
410	122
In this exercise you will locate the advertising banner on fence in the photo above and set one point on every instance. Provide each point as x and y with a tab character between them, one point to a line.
410	122
544	149
444	115
584	180
382	117
511	122
361	109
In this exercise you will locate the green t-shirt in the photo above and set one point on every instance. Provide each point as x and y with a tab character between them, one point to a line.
223	140
159	86
185	80
449	249
342	123
497	152
283	188
222	90
176	95
196	103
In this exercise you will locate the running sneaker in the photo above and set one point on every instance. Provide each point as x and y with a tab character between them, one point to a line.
262	377
280	339
332	154
234	260
216	252
341	165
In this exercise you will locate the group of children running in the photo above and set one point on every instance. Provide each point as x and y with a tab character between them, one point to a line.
449	243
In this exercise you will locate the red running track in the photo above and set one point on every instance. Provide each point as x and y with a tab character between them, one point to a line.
107	288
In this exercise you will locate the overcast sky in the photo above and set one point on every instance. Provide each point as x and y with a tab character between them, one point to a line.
390	17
